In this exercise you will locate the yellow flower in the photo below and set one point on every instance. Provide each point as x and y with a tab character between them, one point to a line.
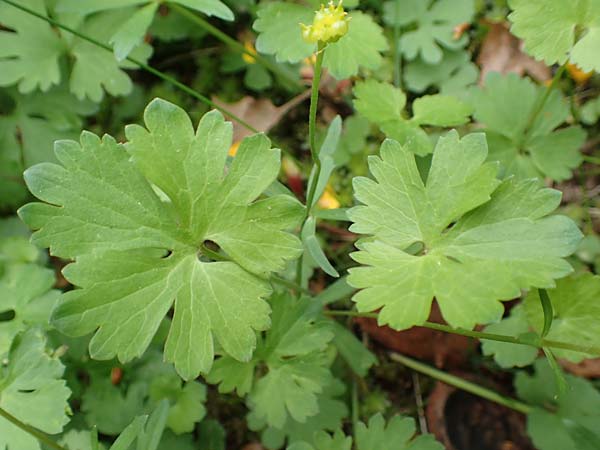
250	48
329	200
330	24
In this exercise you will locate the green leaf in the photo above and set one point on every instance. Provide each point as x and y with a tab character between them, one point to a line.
557	30
506	354
313	247
397	434
576	412
32	391
329	418
451	76
576	313
325	441
505	105
326	153
383	105
102	398
379	102
279	34
25	290
440	111
131	33
103	212
590	111
432	26
293	351
298	366
187	402
29	125
96	70
29	55
211	435
354	352
459	237
360	47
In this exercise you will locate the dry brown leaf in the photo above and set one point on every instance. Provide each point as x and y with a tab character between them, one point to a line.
502	52
443	349
588	368
261	113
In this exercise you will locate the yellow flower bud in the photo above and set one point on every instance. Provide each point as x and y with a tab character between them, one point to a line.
330	24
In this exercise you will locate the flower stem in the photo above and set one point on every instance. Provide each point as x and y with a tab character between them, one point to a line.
314	153
462	384
537	343
41	437
312	125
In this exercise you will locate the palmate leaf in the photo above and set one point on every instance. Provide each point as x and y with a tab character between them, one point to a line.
451	76
28	128
332	410
557	30
397	434
505	105
136	254
576	313
32	391
29	55
130	33
575	413
279	34
298	366
508	354
33	52
383	104
25	290
435	23
461	236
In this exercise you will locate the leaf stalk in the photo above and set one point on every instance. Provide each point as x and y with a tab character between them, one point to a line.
462	384
537	343
41	437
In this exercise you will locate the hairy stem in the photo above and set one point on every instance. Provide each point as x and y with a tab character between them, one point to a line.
539	343
462	384
138	63
235	45
41	437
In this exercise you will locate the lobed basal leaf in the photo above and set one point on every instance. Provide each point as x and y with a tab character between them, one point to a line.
135	219
462	236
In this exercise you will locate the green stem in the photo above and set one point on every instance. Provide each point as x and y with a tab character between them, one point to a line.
312	126
235	45
42	437
314	153
539	106
591	159
540	343
138	63
462	384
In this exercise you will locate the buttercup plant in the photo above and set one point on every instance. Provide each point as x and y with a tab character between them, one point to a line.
189	268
